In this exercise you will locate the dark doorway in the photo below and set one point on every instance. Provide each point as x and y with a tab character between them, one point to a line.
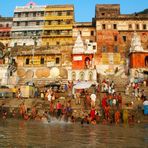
146	61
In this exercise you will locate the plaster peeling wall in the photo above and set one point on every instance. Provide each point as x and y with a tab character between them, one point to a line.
3	75
110	70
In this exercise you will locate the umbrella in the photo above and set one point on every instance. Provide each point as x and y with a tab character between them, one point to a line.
82	85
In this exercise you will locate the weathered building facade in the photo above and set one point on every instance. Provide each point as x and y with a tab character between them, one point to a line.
113	36
27	26
138	59
58	25
5	30
50	43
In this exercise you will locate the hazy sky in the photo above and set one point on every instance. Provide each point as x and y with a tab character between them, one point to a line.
84	9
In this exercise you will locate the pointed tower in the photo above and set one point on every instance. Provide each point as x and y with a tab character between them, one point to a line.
138	59
136	44
79	46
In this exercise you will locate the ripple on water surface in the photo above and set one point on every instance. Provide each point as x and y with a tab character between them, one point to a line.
17	133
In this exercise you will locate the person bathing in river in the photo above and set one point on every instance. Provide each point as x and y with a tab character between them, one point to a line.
92	113
117	117
58	108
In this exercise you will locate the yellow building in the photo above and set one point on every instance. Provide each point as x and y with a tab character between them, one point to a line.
58	25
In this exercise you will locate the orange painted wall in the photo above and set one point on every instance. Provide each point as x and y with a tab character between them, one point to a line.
80	64
137	60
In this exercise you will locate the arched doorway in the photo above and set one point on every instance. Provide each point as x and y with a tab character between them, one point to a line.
146	61
81	76
90	76
87	62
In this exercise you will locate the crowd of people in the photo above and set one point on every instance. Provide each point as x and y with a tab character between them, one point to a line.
92	109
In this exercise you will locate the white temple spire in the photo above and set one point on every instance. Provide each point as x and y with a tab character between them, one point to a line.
79	45
136	43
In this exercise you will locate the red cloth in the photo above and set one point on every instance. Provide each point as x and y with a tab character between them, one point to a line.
104	103
92	114
59	106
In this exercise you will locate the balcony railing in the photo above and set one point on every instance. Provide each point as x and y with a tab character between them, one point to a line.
26	28
31	18
28	9
57	27
54	17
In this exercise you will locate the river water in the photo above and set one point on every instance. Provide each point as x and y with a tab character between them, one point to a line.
33	134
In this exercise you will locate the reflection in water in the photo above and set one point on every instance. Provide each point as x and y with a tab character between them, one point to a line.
21	134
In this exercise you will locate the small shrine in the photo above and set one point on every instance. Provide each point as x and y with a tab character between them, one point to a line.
138	58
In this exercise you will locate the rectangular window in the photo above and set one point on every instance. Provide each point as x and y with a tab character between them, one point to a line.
144	26
7	25
26	14
104	49
59	13
47	44
42	61
27	61
68	12
26	23
115	38
94	47
19	14
15	44
57	60
115	26
92	33
137	26
130	26
34	14
124	38
48	23
58	43
18	24
103	26
42	13
37	23
116	49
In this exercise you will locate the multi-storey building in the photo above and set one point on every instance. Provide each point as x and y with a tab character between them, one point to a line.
5	30
113	36
87	30
28	22
52	30
36	25
58	25
52	25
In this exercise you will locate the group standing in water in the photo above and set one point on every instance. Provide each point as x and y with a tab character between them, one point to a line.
108	111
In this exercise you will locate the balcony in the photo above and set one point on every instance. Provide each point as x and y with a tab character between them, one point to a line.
28	9
26	28
58	27
59	8
31	18
56	35
56	17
